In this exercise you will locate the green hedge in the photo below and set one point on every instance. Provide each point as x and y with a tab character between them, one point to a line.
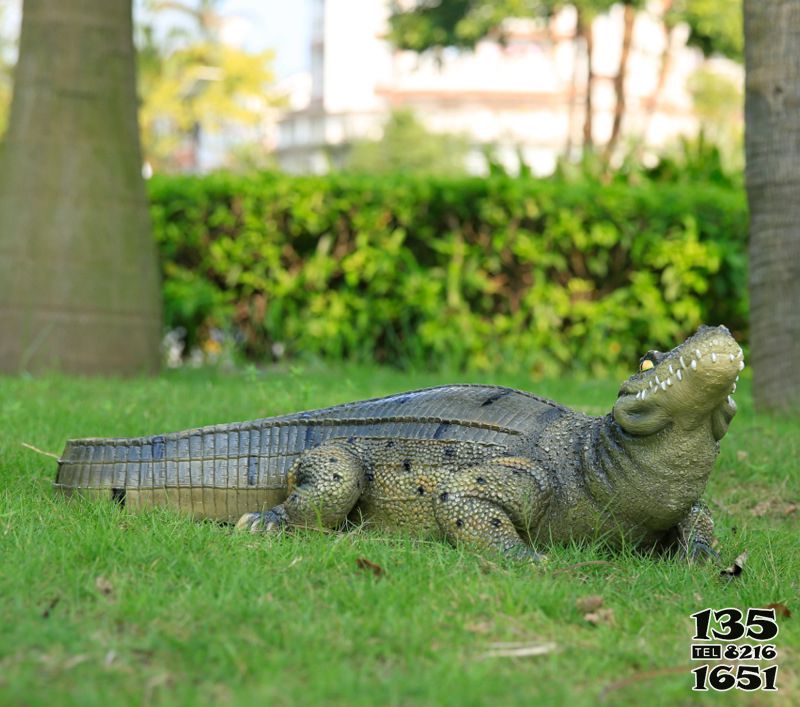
547	275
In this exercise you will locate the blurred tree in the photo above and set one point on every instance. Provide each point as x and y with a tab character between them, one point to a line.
197	84
432	26
717	101
772	143
715	27
79	287
409	147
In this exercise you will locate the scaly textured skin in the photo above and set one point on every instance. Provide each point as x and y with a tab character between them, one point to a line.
483	465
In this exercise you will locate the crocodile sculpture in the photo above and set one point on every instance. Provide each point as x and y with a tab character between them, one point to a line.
482	465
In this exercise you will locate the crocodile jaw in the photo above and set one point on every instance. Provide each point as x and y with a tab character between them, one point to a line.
691	383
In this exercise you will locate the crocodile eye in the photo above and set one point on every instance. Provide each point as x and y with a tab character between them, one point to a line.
650	360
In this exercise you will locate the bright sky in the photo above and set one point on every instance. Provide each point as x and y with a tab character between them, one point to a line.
281	25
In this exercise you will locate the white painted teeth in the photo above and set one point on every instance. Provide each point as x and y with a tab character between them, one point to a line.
733	390
730	356
670	369
657	381
644	394
698	354
669	381
741	365
663	385
683	363
694	365
730	401
713	357
737	379
680	376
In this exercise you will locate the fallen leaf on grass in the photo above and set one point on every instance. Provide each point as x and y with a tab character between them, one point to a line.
741	455
518	650
761	508
592	602
294	562
736	568
364	564
104	586
50	606
604	616
780	610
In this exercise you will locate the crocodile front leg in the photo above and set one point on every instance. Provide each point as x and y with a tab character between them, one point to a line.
489	505
324	485
694	535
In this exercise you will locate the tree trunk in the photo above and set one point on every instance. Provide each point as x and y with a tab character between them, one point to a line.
79	285
663	70
772	144
619	79
584	29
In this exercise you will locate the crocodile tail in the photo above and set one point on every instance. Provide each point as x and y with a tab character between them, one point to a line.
207	473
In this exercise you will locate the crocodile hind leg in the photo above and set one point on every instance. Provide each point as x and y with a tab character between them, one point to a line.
489	505
694	536
324	485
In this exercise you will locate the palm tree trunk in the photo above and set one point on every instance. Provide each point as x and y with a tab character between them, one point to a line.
79	286
772	144
619	79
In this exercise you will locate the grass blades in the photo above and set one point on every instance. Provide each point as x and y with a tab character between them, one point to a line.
99	606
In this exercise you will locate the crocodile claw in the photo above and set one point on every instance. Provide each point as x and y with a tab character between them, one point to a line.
701	552
266	522
525	554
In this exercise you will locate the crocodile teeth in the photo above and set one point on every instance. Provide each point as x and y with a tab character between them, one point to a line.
697	353
644	394
680	376
669	381
683	363
658	382
663	385
694	365
737	379
713	357
733	389
741	365
731	357
730	401
670	369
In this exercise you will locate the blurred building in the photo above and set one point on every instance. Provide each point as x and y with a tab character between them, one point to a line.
525	97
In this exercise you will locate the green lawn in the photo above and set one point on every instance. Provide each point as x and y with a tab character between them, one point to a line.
101	607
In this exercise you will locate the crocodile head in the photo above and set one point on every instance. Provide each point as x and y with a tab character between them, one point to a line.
683	388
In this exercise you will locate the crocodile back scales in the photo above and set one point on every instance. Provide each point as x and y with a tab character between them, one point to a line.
224	471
